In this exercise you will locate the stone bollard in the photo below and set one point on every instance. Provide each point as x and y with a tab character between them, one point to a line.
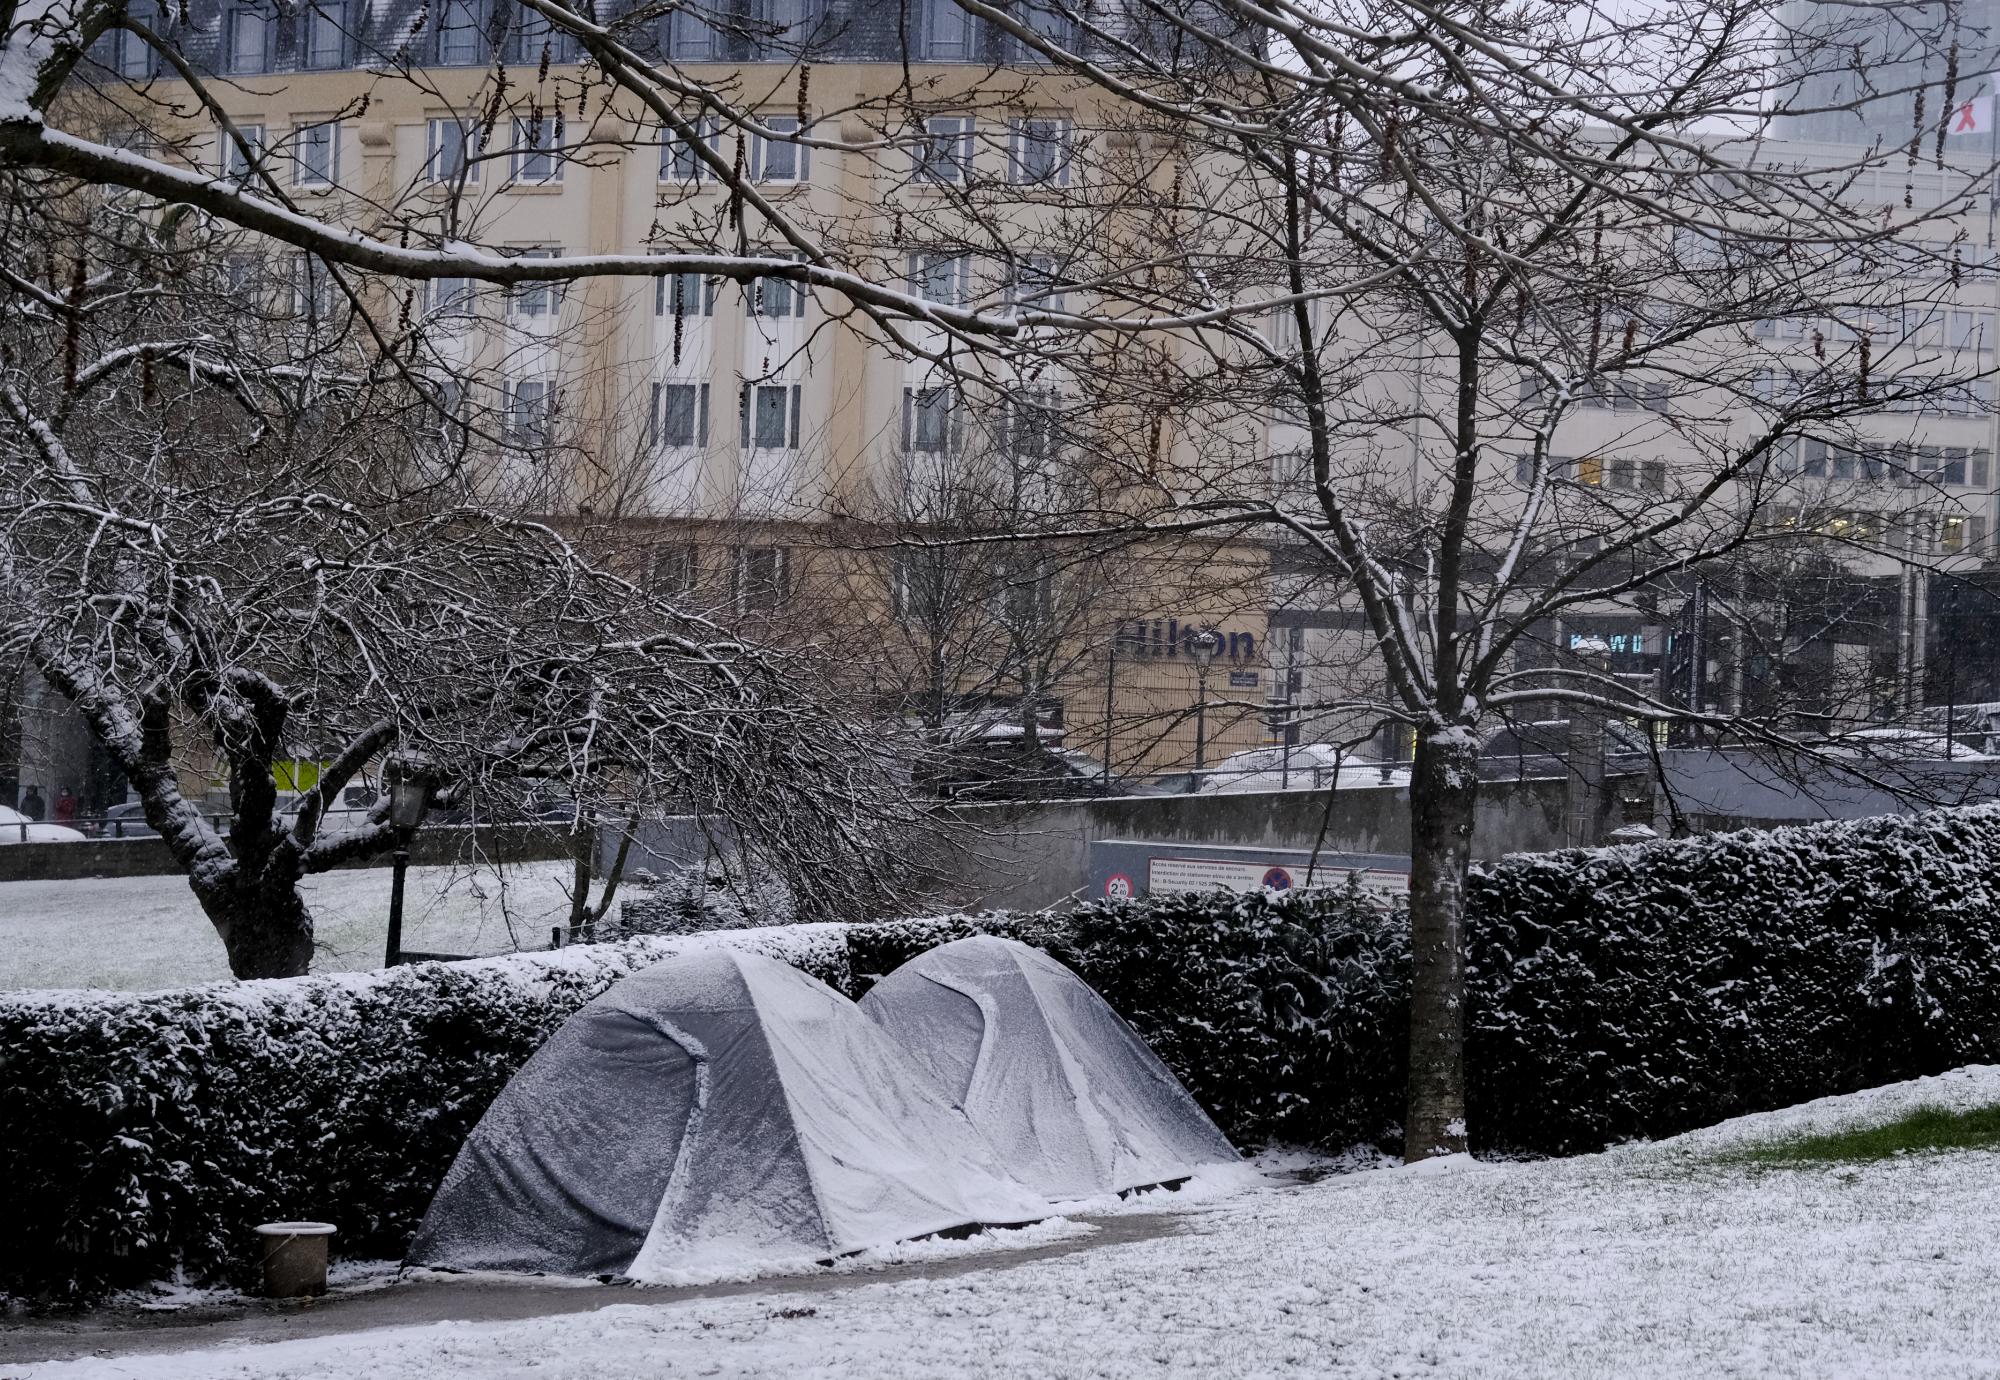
294	1258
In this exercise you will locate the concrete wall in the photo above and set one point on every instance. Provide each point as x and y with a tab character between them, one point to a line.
21	862
1037	855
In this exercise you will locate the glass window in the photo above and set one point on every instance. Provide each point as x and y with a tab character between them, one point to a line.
940	277
778	159
316	154
945	156
678	159
780	29
324	45
133	55
948	32
449	153
690	37
533	36
462	33
238	165
452	296
1590	470
315	294
683	294
536	157
672	569
539	298
770	416
1034	427
1655	475
1034	284
530	411
774	297
762	577
927	420
1049	20
680	414
249	40
1041	151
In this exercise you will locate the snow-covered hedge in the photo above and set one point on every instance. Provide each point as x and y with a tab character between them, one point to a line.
1622	992
1648	990
146	1133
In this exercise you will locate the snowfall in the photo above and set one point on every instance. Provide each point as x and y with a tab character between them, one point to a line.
134	933
1648	1260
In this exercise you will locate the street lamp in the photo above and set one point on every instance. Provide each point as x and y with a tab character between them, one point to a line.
1203	649
411	780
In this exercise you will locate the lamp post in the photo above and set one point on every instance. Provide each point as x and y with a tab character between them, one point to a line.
410	782
1203	649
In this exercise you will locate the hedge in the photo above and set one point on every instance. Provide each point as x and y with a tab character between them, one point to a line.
1614	993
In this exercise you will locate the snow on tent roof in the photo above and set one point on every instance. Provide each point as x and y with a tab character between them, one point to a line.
1071	1097
716	1108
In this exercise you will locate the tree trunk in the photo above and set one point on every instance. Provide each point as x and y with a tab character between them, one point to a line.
1443	789
267	930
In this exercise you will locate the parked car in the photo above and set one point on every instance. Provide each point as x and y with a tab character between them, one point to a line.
1518	752
127	821
1307	767
996	766
16	827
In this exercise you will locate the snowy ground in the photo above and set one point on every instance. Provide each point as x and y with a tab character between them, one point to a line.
1648	1261
145	932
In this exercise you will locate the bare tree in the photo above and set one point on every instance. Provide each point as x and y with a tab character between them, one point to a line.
223	528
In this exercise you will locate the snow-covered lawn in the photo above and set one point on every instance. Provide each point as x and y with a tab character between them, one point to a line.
144	932
1648	1261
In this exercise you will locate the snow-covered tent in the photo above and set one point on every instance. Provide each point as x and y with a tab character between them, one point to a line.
715	1108
1071	1097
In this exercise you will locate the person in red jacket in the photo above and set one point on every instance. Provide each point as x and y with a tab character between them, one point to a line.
65	806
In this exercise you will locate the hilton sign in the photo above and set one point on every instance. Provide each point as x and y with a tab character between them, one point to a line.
1169	638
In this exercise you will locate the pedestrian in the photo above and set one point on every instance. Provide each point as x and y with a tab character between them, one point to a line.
65	806
32	805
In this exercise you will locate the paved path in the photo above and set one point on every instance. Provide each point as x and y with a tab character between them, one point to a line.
132	1331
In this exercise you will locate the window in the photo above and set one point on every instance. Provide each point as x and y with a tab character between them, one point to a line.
780	29
448	153
536	157
1952	467
1034	426
683	294
129	55
948	32
779	160
678	159
323	37
945	156
247	34
1590	470
1624	472
532	36
315	294
1653	475
238	165
761	577
1039	151
1951	534
1841	462
672	569
316	154
1812	459
941	277
242	276
462	33
1980	464
535	299
452	296
680	414
1034	284
930	421
690	38
530	411
770	416
774	297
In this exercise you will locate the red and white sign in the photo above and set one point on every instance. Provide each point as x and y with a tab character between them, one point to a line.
1118	887
1973	115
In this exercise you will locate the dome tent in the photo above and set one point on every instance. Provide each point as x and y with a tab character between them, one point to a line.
1073	1100
715	1108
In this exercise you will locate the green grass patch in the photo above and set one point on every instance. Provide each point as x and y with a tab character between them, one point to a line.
1924	1130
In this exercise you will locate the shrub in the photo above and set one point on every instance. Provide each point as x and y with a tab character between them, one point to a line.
1621	992
148	1132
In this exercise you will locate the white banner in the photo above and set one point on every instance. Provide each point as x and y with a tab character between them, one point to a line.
1973	115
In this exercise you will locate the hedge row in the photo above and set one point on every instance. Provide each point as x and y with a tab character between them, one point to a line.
1614	993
